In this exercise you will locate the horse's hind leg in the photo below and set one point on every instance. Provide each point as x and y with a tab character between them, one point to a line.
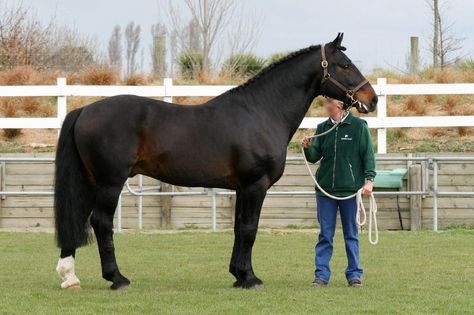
102	223
66	269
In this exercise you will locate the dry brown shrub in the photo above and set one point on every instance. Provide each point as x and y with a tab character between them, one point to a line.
81	101
451	102
437	132
22	75
429	99
445	76
414	103
10	109
400	133
74	78
394	109
463	110
25	75
11	134
408	80
48	77
136	79
99	75
467	76
30	105
464	131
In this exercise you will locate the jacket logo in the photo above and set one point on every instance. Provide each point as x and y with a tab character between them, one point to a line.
346	138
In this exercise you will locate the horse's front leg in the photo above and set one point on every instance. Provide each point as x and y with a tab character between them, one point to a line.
102	223
247	213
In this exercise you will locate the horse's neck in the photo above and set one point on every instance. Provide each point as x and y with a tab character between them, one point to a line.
284	95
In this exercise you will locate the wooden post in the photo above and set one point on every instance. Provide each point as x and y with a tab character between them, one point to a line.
382	114
233	203
62	100
414	55
415	178
2	187
166	203
3	167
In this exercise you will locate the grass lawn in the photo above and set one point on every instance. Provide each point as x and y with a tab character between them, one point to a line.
186	273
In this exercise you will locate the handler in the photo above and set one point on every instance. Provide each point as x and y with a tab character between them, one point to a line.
347	164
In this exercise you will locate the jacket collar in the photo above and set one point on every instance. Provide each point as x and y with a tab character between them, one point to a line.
348	120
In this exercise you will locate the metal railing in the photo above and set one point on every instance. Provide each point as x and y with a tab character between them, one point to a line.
428	164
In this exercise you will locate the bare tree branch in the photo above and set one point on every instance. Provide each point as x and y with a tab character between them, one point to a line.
115	48
132	39
445	44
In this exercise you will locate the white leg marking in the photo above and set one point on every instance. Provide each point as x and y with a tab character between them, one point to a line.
65	269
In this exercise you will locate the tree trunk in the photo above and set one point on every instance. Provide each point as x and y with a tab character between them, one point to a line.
436	32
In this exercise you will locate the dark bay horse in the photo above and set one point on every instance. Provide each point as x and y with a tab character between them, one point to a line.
236	141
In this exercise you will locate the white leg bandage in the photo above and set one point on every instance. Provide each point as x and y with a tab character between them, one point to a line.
65	269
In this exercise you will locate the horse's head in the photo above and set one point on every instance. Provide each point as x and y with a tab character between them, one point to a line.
343	81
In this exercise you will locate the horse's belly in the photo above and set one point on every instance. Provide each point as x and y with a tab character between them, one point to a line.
187	173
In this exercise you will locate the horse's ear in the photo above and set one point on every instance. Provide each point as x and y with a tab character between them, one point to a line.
337	42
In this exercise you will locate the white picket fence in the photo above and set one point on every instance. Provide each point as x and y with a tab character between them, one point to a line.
381	122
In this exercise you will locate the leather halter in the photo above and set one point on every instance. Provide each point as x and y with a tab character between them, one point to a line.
350	100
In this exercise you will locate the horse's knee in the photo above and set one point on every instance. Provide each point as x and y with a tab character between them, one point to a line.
248	234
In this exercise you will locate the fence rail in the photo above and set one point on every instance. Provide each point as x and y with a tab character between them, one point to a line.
167	91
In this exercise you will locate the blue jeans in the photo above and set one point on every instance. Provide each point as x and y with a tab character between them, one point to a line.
327	213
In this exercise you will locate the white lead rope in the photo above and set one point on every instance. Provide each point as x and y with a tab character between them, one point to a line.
360	204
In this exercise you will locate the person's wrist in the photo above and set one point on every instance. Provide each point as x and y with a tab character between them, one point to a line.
370	180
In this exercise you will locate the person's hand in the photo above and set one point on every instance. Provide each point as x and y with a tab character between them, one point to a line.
368	188
306	142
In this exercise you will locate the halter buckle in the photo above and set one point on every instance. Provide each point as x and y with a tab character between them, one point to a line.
324	64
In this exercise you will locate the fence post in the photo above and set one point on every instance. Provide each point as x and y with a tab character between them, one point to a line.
415	179
62	100
214	210
414	55
382	114
168	84
140	202
3	186
435	195
119	214
166	201
166	204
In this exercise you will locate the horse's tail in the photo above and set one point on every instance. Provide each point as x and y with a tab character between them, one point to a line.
73	193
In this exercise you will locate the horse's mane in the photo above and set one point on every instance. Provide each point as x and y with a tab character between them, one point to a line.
274	65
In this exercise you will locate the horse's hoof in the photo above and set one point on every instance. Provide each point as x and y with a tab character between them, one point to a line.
117	287
249	285
74	287
120	285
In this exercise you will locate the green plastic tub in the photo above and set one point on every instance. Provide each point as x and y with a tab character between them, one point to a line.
390	178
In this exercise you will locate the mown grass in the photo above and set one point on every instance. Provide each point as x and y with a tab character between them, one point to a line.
186	273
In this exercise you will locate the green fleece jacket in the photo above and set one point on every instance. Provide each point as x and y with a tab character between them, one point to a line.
346	154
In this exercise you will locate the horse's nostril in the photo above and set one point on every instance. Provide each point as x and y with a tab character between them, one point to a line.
374	102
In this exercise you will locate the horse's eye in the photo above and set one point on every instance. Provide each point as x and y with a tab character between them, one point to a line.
346	66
